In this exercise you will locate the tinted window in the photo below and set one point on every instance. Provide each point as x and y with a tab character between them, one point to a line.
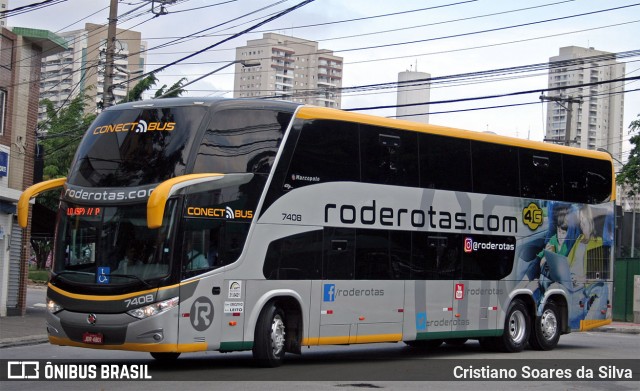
339	253
241	141
540	175
296	257
435	256
445	163
136	147
400	254
372	255
484	257
326	151
586	180
495	169
389	156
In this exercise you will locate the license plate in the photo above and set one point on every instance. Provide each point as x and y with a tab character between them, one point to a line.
94	338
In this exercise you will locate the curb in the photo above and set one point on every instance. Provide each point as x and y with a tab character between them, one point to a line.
613	329
23	341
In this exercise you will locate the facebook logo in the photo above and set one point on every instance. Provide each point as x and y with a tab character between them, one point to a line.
329	292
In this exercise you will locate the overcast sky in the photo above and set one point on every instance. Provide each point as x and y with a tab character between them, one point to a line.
472	51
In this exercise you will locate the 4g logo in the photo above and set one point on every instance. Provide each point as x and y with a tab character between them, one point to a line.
532	216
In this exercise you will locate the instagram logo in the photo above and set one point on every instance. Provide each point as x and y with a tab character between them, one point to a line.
468	245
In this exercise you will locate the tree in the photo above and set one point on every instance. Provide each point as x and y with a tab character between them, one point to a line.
629	176
63	129
147	83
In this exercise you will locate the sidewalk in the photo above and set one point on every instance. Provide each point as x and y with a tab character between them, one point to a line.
30	329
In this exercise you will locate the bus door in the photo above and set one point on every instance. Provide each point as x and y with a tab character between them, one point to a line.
475	305
433	286
359	301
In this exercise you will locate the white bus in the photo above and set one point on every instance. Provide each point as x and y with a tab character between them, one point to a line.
188	225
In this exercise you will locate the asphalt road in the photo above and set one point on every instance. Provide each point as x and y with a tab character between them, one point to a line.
388	366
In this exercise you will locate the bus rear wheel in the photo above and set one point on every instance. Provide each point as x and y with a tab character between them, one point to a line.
546	328
516	328
269	341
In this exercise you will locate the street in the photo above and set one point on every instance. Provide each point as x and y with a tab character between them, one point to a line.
341	367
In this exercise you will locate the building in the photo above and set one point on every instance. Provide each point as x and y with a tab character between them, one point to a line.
81	66
597	122
288	68
413	87
4	6
21	51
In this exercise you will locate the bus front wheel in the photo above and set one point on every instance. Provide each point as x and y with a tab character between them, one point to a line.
546	330
516	328
269	341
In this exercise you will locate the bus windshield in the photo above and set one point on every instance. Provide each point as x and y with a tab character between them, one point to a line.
135	147
110	245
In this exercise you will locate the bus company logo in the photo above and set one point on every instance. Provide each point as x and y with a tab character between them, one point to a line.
329	292
532	216
227	213
140	126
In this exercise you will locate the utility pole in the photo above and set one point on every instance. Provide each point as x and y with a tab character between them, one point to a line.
569	109
107	90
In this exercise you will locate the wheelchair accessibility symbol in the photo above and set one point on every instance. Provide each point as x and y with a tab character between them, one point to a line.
103	275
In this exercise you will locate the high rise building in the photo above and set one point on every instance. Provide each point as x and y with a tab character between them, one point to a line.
410	93
81	67
597	119
289	68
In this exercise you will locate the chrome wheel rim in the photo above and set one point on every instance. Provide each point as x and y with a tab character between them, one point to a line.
549	324
277	335
517	326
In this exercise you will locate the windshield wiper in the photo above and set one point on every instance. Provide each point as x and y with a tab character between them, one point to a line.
54	276
132	276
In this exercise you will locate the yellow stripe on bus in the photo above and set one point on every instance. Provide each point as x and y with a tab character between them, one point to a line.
112	297
136	347
342	340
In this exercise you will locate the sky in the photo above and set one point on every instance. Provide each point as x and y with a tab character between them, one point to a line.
439	37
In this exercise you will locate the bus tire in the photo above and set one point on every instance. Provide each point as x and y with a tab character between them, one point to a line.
269	342
516	328
545	332
425	343
165	356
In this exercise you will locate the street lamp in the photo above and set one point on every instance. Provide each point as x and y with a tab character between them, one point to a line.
128	73
244	63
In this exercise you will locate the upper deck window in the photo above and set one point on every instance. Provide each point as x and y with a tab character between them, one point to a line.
136	147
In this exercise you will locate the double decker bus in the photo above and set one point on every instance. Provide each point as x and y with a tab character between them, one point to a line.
190	225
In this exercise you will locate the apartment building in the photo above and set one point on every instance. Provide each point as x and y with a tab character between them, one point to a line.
597	112
81	67
288	68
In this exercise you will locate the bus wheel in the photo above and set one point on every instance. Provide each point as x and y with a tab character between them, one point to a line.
269	342
516	328
425	343
165	356
546	329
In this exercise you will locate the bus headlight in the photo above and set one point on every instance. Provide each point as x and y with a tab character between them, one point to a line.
154	309
53	307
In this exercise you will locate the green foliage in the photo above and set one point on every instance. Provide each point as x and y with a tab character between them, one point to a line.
64	130
630	173
147	83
